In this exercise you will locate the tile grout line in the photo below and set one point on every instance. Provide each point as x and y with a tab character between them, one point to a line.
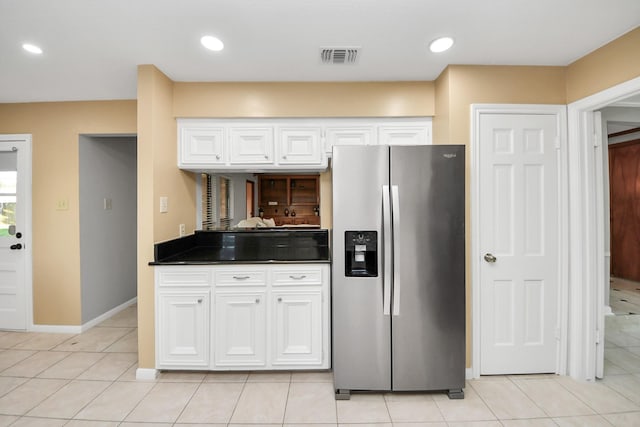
156	382
620	396
190	398
529	397
233	412
286	400
484	402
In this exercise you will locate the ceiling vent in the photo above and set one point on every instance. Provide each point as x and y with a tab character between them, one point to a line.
339	55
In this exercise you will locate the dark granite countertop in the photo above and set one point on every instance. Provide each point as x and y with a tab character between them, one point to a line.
245	246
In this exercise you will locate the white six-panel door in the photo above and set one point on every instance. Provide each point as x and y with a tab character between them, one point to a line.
518	218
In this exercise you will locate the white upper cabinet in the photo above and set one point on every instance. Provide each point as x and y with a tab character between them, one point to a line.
300	145
286	145
251	145
201	145
403	135
349	135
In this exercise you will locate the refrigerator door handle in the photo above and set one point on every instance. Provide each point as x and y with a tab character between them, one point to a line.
395	206
386	251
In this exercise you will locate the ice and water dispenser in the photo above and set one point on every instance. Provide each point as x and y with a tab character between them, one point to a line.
361	253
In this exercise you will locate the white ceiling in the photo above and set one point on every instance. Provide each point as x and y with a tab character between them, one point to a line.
92	47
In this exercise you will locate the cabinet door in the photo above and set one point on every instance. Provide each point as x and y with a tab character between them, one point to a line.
240	329
349	136
251	145
300	146
404	135
297	327
183	329
201	146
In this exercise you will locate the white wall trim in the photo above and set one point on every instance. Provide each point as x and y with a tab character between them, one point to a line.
468	374
56	329
586	290
71	329
146	374
91	323
563	306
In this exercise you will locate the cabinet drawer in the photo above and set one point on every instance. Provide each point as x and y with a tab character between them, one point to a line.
297	276
238	277
182	276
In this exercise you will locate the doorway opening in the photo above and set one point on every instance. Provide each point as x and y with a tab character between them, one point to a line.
108	225
250	197
589	280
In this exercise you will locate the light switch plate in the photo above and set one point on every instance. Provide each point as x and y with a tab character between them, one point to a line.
62	205
164	204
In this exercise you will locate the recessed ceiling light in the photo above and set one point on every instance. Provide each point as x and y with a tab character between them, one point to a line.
32	48
212	43
441	44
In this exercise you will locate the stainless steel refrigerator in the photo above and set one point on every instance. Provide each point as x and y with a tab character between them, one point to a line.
398	269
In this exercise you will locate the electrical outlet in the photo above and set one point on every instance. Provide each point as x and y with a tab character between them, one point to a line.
182	230
107	204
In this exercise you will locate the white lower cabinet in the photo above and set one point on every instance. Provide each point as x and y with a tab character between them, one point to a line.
249	317
183	319
240	330
297	327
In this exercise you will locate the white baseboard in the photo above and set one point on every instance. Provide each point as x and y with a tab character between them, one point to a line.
91	323
146	374
71	329
56	329
468	374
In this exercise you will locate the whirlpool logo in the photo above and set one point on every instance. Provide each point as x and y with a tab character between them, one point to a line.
450	155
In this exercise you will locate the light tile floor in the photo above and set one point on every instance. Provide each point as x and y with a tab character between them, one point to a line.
89	380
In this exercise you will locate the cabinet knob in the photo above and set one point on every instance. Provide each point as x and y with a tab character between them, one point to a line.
280	299
199	300
284	157
266	157
297	277
217	156
257	300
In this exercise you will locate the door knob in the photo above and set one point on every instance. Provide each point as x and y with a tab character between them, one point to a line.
490	258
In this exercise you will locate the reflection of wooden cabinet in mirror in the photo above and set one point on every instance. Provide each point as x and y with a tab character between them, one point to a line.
290	199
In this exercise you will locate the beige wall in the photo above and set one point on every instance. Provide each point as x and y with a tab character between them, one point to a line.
160	101
373	99
442	101
612	64
460	86
158	176
55	129
473	84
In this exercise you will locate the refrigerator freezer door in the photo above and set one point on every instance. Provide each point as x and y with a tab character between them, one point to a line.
361	331
428	335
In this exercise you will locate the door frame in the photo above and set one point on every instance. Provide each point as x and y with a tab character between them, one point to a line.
477	110
25	144
586	287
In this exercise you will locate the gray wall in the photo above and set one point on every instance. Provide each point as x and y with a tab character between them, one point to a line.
240	195
107	236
